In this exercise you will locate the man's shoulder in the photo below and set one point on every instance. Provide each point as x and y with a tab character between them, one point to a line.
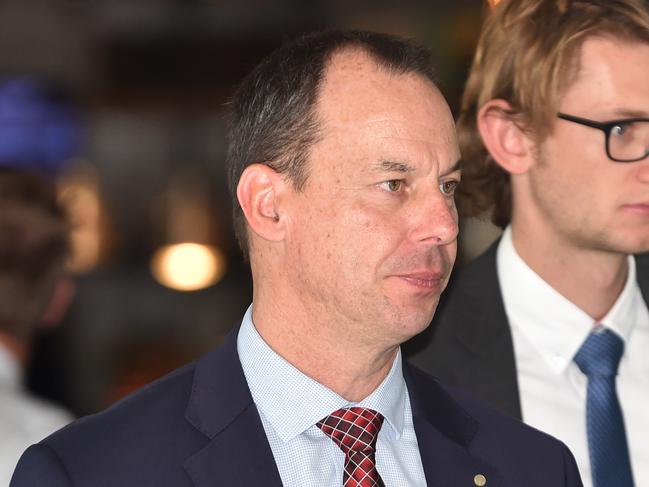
170	401
142	412
144	432
492	422
509	432
515	449
179	431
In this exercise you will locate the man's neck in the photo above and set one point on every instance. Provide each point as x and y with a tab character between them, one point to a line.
307	342
591	279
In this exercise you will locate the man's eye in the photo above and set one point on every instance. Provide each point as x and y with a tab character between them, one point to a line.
448	187
393	185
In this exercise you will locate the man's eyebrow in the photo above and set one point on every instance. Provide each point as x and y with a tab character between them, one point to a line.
392	166
629	113
455	167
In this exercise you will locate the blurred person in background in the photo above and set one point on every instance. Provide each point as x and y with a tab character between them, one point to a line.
343	163
554	131
37	134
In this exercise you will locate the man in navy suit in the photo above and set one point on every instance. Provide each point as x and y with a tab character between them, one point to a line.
344	163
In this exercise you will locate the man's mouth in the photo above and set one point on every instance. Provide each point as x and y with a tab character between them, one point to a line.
431	280
640	208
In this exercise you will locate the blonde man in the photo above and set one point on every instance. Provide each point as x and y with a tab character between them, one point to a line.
551	323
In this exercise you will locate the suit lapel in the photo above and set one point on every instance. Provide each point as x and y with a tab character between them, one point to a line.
221	407
445	432
642	275
480	323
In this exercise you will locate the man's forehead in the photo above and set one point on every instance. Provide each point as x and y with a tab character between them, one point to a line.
599	54
355	62
344	73
409	133
355	84
350	58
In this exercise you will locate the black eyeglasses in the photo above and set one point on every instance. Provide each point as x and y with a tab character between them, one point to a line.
627	139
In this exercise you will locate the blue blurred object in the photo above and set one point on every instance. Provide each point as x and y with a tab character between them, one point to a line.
37	131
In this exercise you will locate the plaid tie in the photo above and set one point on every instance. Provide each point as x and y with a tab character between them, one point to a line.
355	430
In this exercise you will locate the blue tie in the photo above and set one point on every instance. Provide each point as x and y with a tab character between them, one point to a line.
598	359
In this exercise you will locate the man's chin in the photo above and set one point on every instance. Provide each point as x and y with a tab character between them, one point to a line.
415	321
632	245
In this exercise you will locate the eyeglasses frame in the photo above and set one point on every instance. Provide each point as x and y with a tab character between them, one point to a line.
605	127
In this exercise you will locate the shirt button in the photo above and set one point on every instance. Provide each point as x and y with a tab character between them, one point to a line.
480	480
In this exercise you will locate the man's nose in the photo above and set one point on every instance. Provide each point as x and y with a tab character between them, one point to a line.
643	170
434	219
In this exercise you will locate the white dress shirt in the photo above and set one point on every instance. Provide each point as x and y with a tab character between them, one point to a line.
547	332
291	403
24	420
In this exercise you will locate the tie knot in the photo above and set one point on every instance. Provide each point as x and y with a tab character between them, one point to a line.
600	354
353	429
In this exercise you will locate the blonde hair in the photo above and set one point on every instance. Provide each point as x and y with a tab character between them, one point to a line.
526	55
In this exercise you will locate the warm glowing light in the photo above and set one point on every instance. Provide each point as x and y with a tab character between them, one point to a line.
188	266
493	3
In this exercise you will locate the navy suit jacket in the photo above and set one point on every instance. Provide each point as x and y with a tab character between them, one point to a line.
199	427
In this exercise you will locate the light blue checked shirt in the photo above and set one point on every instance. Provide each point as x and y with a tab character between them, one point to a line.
291	403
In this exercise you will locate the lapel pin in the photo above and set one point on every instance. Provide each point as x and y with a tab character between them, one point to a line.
480	480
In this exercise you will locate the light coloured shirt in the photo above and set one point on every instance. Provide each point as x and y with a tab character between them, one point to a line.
291	403
547	332
24	420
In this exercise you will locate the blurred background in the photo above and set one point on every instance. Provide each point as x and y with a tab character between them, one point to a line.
158	278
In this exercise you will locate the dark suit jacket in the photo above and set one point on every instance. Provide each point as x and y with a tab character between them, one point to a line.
469	343
199	427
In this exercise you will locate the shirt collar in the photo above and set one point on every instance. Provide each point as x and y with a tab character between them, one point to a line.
625	313
293	402
555	326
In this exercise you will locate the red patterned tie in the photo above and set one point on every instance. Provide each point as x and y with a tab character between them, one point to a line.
355	431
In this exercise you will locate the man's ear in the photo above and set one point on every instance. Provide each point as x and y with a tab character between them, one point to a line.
503	137
257	192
